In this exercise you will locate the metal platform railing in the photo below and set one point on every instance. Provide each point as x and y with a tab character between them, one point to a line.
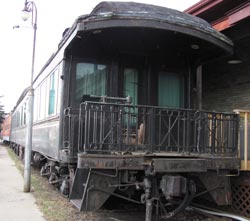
100	127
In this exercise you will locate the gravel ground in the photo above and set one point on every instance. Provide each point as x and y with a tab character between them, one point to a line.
70	213
56	207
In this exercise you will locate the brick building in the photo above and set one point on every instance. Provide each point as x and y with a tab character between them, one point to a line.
226	82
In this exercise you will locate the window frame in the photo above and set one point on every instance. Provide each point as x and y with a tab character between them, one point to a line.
72	83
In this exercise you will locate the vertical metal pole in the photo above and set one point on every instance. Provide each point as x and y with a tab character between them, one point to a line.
189	86
245	140
28	139
199	87
149	210
213	133
28	145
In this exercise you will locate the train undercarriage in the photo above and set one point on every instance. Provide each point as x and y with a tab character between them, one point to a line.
163	185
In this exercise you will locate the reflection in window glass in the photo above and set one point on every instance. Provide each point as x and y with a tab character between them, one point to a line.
42	101
24	114
21	117
52	92
36	104
18	118
90	80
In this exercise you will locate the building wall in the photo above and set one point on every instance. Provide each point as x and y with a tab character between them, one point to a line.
226	87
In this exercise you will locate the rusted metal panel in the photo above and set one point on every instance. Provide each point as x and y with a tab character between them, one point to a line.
110	162
226	163
180	165
219	186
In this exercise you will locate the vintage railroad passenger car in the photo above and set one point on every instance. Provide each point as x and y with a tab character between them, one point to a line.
5	129
118	111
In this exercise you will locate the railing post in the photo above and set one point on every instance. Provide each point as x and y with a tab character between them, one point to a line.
152	130
245	139
187	145
80	129
101	126
199	132
236	132
119	134
86	128
213	133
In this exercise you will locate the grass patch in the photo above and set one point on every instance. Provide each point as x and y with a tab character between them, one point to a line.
56	207
53	205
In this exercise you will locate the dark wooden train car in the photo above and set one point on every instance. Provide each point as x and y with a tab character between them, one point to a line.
118	111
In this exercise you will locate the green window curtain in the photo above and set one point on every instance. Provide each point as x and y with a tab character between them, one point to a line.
170	90
52	94
43	100
24	114
90	80
131	84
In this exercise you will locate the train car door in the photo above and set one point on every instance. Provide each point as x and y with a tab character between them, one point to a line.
170	90
130	84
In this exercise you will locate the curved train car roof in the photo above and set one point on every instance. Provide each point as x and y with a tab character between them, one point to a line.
131	14
113	15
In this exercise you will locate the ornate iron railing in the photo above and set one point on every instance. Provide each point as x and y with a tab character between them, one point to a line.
111	127
99	127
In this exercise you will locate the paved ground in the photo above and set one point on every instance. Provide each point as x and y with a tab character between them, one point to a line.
15	205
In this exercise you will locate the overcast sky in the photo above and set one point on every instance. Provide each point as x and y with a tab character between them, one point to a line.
53	17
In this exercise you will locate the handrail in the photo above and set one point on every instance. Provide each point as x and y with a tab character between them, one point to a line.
115	127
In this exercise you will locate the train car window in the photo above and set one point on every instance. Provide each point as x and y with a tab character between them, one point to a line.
53	88
36	103
24	114
17	119
90	80
21	117
131	84
170	90
52	94
43	95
